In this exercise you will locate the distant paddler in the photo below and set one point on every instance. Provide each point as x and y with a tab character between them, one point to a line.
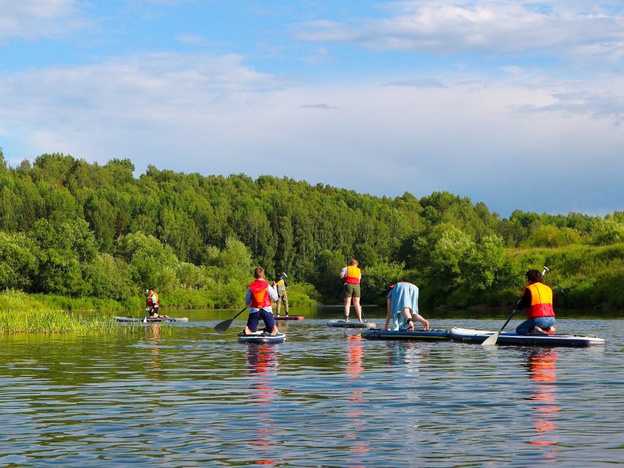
537	299
352	276
259	296
153	304
280	286
402	308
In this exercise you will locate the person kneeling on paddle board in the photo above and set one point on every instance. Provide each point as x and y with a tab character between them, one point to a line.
537	299
402	307
153	304
258	299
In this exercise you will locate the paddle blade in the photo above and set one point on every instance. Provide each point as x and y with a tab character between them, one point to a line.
223	326
491	340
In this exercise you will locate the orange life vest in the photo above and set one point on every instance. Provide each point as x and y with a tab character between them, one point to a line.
541	301
260	294
353	275
151	302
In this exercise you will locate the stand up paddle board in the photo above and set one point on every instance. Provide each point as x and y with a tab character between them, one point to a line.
428	335
465	335
356	324
152	320
261	337
288	317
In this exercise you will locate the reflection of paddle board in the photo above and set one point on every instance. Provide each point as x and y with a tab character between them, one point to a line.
261	337
512	339
150	320
288	317
343	324
429	335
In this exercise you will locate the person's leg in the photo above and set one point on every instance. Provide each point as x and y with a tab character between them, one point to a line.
544	325
279	303
286	303
418	318
406	314
252	323
347	308
525	327
269	322
358	308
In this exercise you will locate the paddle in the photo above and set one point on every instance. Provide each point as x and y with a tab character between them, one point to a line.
223	326
491	340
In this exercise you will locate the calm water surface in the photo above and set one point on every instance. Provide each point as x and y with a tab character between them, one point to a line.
185	396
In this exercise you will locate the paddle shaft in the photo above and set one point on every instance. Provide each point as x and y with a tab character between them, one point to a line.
223	326
491	340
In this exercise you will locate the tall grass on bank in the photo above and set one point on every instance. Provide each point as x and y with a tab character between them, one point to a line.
20	313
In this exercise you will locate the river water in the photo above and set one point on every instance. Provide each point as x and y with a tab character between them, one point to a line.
186	396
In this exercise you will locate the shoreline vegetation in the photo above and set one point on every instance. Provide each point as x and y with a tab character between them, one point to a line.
76	236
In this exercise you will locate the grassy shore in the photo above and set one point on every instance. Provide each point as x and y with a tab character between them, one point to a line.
21	313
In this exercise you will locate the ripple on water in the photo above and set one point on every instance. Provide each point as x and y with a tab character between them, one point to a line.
319	399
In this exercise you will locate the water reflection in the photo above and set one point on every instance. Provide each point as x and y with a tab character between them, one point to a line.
355	356
262	363
153	336
409	354
543	373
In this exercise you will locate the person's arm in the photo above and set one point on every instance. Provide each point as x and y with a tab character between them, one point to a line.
273	293
248	297
525	300
343	273
388	313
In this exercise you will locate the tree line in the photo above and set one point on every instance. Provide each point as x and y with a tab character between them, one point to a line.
75	229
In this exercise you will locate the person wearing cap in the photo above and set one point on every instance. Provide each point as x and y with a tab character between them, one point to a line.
537	299
402	308
280	285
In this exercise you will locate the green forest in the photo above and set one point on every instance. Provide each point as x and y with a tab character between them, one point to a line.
99	236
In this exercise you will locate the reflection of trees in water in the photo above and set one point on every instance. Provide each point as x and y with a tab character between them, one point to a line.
542	371
262	361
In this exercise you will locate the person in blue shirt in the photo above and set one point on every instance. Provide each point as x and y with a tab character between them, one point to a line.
402	308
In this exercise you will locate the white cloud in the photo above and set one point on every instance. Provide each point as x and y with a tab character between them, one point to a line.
34	19
562	29
212	114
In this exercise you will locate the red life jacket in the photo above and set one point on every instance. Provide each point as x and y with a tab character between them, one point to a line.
151	302
353	275
541	301
260	294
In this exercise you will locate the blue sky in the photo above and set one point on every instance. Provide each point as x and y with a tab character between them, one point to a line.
515	104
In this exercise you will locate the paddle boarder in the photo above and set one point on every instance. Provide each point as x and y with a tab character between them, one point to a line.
352	276
258	298
280	285
402	308
153	304
537	299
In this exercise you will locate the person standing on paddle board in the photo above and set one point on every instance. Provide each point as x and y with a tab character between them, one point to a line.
537	299
280	285
352	276
402	308
153	304
258	298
